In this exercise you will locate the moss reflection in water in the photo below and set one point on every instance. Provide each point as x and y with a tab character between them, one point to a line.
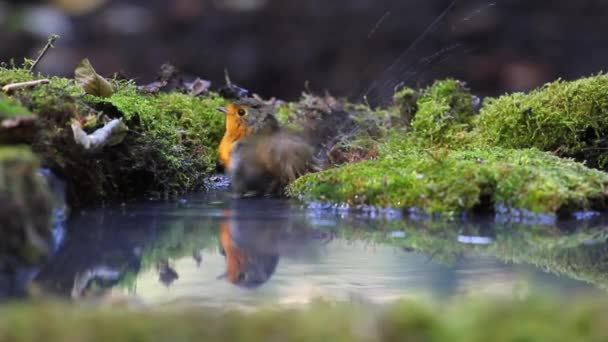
580	254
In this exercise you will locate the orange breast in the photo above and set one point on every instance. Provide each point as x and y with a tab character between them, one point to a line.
236	129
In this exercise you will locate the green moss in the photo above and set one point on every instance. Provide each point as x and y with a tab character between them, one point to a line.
406	101
12	74
524	320
445	114
453	160
441	180
10	108
283	112
188	128
25	212
568	118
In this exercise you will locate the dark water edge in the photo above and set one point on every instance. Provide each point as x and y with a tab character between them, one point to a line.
212	250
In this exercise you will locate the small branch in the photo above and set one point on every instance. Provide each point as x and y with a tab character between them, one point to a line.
227	77
49	44
14	86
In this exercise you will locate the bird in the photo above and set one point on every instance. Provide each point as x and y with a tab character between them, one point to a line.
261	157
244	117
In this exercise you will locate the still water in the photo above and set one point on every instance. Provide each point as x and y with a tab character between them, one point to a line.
216	251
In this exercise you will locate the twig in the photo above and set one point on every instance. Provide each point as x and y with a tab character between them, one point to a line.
13	86
49	44
227	78
378	24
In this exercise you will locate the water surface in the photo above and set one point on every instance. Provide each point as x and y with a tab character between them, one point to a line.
213	250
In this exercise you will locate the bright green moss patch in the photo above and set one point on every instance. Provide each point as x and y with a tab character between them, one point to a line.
454	160
524	320
568	118
10	109
444	113
439	180
13	74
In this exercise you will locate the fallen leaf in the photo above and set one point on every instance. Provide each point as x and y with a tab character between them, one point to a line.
91	81
197	87
154	87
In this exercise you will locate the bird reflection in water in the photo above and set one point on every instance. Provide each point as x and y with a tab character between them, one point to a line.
253	244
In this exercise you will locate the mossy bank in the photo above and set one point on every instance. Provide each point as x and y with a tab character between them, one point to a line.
438	149
459	156
169	147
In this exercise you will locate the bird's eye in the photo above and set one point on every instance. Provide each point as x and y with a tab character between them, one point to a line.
241	112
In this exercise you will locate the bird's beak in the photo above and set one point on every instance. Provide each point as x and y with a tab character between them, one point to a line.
222	109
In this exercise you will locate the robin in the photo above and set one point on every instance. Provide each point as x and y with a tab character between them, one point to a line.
243	118
260	156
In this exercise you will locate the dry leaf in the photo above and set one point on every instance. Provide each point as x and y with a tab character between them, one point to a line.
153	88
91	81
197	87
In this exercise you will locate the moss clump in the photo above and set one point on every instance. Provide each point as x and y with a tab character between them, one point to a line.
169	149
453	160
175	138
406	101
445	114
25	210
568	118
523	320
14	74
441	180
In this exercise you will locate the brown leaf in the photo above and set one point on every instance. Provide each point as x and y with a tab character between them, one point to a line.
154	87
91	81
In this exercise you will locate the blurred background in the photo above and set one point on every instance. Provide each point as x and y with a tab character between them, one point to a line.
276	47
